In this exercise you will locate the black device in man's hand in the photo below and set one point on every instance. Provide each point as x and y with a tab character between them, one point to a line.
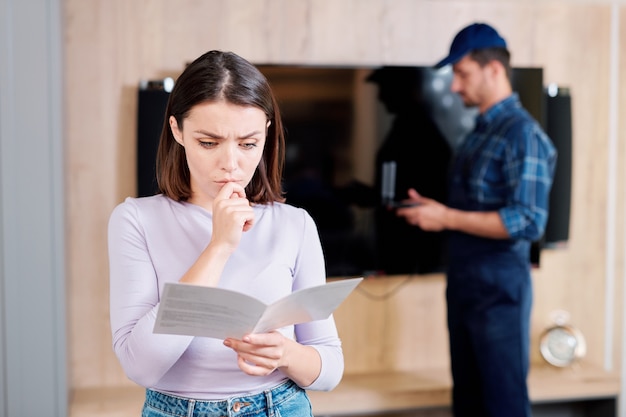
388	187
401	204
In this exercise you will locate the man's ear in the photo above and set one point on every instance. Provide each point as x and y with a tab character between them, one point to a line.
496	67
176	132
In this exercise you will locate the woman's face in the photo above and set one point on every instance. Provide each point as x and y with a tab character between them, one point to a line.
223	143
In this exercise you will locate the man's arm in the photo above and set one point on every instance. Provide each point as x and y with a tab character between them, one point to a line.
480	223
432	216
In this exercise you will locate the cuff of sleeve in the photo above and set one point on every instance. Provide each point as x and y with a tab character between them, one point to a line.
332	368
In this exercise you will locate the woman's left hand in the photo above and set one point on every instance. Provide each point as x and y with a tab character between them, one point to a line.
261	353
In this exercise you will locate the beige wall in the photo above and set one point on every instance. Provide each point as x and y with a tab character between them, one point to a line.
112	44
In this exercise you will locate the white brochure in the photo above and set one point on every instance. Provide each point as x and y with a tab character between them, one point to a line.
220	313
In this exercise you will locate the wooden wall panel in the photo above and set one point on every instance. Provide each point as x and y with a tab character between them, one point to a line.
112	44
573	278
394	323
619	348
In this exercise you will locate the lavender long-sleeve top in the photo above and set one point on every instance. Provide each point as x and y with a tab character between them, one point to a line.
154	240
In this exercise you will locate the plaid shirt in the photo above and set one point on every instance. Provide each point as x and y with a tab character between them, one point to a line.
507	165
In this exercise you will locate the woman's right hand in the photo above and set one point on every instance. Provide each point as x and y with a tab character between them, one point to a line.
232	215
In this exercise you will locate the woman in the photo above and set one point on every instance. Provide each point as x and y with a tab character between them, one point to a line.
219	220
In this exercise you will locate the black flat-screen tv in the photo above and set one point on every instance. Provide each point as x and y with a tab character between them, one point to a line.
357	138
346	126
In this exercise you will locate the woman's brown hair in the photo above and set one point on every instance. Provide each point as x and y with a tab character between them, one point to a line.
216	76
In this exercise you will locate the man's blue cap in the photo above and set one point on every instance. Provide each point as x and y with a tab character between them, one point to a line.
474	36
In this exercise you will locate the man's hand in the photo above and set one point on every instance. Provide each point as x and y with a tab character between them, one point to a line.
427	214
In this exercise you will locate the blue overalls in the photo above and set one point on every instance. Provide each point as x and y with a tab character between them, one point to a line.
489	298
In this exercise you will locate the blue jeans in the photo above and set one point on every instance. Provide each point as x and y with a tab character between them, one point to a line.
489	306
286	400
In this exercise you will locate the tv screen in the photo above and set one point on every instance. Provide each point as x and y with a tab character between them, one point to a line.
348	126
357	138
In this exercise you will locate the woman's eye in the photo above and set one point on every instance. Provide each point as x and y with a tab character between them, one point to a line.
249	145
206	143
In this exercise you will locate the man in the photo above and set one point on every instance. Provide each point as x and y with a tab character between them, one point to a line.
497	205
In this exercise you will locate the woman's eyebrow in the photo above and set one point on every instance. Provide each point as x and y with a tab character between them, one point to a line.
217	136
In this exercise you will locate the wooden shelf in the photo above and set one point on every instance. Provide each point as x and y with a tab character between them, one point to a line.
360	394
577	383
384	392
120	401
